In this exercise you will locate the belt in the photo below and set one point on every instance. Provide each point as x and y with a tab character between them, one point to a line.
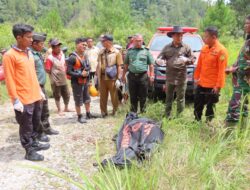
137	74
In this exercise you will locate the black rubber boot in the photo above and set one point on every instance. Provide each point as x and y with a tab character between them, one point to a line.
43	137
51	132
32	155
39	146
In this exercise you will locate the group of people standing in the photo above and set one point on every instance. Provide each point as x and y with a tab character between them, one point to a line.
25	69
209	75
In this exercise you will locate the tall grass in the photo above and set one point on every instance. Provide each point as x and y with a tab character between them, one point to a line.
3	93
192	156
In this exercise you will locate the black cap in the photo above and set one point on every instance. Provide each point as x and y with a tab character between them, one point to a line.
39	37
55	42
176	29
108	37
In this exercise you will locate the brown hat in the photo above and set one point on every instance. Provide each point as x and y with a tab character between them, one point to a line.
176	29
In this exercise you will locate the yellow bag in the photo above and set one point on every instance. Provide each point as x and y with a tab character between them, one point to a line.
92	91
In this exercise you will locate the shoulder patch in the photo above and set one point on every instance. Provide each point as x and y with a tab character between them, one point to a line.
222	57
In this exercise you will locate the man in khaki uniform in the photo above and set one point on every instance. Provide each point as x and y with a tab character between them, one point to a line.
109	56
177	55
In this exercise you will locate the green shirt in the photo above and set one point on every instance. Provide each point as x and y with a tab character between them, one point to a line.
138	60
40	72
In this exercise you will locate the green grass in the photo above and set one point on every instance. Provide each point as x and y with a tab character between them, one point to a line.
3	93
192	156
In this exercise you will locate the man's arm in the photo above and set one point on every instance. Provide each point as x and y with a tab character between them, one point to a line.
125	67
48	65
150	62
190	56
197	71
222	64
119	62
151	67
9	67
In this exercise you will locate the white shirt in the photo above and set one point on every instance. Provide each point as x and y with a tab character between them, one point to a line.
92	54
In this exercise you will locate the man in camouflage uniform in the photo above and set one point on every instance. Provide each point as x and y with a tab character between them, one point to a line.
241	82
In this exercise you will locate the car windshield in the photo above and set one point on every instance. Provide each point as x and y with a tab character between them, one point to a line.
159	42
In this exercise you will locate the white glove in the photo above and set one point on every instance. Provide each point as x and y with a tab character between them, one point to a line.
184	59
160	61
18	106
118	83
43	95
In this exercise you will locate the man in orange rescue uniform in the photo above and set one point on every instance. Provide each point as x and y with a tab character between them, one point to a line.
209	74
24	90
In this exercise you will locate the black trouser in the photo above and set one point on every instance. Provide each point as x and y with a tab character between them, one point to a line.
91	75
138	90
205	96
45	125
29	121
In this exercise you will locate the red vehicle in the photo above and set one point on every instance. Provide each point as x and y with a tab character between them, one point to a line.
157	43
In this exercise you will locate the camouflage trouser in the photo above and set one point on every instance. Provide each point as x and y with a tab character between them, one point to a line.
238	104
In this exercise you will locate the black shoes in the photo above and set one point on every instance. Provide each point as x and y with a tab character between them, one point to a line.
81	119
104	115
52	132
90	116
43	137
31	152
32	155
36	146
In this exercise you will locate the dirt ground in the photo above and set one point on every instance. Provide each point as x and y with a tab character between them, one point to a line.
76	142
